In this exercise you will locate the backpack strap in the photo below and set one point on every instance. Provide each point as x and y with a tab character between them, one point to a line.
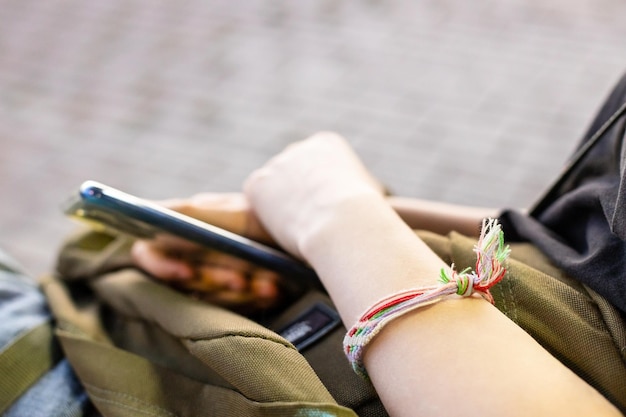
26	359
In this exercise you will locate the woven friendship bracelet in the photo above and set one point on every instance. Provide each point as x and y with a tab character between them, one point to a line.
491	254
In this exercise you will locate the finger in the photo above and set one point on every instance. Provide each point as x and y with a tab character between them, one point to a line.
235	288
230	211
264	284
226	261
156	263
228	288
212	278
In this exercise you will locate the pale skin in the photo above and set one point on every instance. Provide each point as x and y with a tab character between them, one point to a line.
457	357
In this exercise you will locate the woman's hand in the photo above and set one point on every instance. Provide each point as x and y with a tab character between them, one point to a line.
299	190
210	275
285	201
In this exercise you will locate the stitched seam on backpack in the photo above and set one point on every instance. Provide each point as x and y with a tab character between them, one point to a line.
606	328
143	320
508	298
242	335
121	405
153	410
513	307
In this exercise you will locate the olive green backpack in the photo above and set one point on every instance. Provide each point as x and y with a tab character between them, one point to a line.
142	348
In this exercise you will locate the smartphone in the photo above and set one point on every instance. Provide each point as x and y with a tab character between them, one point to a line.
111	208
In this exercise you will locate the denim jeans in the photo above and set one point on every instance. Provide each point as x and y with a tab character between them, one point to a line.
23	307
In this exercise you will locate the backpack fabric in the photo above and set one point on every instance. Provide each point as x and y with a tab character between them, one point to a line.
132	346
35	379
136	344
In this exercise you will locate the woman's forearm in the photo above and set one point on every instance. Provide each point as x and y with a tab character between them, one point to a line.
366	252
440	217
457	357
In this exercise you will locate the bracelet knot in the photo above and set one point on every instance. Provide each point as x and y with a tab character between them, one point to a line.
464	284
491	254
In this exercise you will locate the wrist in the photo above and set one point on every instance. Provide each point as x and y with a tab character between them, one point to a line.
349	219
364	252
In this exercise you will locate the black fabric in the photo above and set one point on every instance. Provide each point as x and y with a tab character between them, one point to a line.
581	226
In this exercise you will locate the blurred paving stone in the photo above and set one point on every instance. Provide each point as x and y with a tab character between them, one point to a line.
170	98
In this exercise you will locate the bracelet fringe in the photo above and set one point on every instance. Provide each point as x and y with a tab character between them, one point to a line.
491	254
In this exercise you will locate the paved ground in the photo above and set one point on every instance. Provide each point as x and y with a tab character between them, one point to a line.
473	102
